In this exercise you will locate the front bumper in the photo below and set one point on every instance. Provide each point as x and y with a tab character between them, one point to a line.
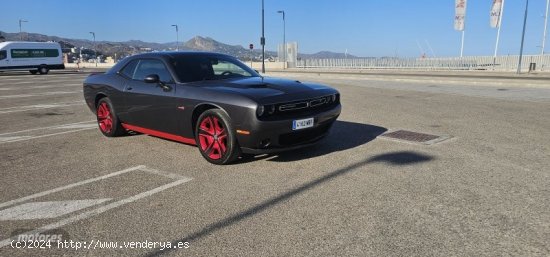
277	136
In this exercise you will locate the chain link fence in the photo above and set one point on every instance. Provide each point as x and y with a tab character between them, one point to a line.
500	63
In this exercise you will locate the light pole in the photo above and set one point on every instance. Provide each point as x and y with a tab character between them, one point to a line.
95	51
523	36
262	40
284	38
545	28
177	37
20	30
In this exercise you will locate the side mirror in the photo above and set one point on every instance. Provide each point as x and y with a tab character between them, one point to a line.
153	78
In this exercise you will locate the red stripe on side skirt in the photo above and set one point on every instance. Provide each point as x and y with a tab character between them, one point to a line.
155	133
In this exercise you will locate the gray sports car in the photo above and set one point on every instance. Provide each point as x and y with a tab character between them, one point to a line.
210	100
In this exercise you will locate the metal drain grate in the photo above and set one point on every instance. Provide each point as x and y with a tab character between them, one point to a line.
415	137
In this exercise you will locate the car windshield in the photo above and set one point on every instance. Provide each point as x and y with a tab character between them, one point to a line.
200	68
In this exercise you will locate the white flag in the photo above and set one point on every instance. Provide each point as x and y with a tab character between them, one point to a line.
460	14
496	11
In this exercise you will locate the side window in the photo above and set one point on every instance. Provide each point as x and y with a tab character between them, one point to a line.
222	67
147	67
3	55
129	69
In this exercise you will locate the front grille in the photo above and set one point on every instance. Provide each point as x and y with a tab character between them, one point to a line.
300	137
302	108
300	105
293	106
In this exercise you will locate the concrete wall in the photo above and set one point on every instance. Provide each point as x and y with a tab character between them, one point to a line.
255	65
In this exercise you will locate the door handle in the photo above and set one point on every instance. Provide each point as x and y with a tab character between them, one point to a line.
129	88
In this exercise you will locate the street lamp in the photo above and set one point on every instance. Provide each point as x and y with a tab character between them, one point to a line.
523	36
20	31
95	51
177	37
262	40
284	38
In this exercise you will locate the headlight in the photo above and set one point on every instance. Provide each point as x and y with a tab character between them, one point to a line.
334	98
260	110
270	109
265	110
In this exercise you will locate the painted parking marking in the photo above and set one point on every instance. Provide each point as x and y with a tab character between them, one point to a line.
35	133
38	80
47	210
38	87
80	183
39	107
39	94
177	180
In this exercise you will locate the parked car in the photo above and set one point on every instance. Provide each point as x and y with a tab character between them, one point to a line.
210	100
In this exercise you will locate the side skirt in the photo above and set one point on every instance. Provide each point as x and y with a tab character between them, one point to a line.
160	134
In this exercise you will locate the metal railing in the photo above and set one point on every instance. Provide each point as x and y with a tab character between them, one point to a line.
500	63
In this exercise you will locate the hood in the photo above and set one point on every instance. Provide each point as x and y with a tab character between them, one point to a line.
270	90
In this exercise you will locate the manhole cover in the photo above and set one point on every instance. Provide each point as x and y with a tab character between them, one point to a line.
415	137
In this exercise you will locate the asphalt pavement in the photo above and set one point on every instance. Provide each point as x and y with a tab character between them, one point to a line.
482	191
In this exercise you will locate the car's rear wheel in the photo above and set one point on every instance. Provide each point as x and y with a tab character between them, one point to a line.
107	119
216	138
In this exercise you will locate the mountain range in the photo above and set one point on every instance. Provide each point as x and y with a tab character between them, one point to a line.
197	43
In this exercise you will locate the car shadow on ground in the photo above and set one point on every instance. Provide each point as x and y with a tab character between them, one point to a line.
343	135
400	158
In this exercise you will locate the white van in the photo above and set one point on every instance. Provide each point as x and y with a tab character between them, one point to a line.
36	57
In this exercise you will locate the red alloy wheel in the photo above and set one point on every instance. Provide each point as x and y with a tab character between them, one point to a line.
105	117
212	137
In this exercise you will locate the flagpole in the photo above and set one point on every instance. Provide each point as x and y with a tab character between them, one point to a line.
499	25
545	27
462	45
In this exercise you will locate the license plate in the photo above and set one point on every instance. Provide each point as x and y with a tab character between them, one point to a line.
302	124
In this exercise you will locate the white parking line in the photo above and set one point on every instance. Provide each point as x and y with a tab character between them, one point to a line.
180	180
36	133
83	182
38	107
38	87
42	81
47	210
25	138
39	94
45	128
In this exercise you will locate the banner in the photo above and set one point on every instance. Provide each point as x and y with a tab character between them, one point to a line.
460	14
496	11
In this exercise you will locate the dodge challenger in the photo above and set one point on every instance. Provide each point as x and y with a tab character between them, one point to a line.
210	100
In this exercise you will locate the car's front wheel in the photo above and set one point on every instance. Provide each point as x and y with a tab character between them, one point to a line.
216	138
107	119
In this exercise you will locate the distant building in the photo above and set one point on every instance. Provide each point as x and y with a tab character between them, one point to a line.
291	52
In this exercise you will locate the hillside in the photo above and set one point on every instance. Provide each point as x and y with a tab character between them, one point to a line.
197	43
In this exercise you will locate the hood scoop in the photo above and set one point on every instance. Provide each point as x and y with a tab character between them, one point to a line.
263	85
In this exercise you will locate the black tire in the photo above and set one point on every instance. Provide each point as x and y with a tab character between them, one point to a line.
33	72
43	70
107	120
216	138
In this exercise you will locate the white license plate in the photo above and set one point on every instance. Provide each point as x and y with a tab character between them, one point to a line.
302	124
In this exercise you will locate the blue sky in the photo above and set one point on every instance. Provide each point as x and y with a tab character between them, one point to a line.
363	27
